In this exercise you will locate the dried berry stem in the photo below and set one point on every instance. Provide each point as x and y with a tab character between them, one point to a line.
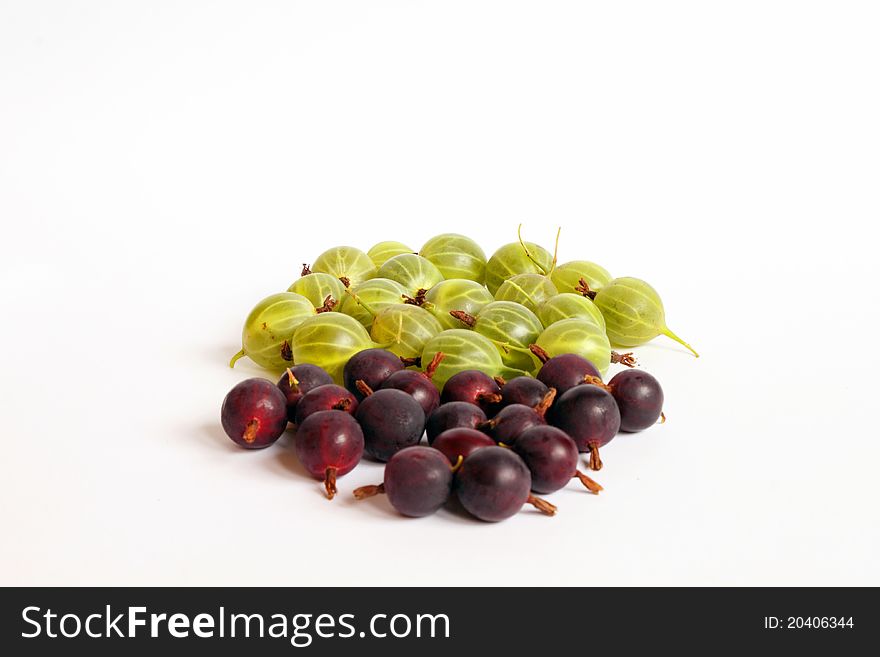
434	364
458	463
591	485
596	381
624	359
488	424
342	405
417	300
542	355
412	361
595	461
286	351
363	388
583	288
330	482
364	492
545	404
250	431
463	317
306	270
329	305
489	397
662	418
345	281
542	505
500	380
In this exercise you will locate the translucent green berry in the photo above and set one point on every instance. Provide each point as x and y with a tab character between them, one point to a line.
456	256
531	290
383	251
569	306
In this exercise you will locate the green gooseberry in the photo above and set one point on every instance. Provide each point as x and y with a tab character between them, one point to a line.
348	264
383	251
464	349
511	326
571	276
569	305
531	290
329	340
404	329
634	313
516	258
375	294
268	329
577	336
456	256
455	294
415	273
319	288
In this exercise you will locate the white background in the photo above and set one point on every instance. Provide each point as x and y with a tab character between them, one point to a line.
164	165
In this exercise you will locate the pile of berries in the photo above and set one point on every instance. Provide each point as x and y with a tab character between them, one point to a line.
492	443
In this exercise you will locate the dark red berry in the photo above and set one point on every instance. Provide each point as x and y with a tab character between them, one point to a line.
418	481
474	387
494	483
254	413
297	381
639	398
418	384
523	390
552	459
330	397
391	420
512	420
589	415
452	415
372	366
461	442
329	444
564	372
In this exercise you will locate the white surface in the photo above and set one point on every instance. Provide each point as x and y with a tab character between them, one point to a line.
165	165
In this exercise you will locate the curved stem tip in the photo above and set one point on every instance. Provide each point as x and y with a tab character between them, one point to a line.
591	485
595	461
329	305
670	334
542	505
583	288
235	358
589	379
330	482
364	492
413	361
458	462
545	404
292	381
306	270
489	397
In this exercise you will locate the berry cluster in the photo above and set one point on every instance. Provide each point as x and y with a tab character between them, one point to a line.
492	443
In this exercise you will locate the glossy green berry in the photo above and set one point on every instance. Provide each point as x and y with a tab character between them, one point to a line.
633	313
456	256
412	271
404	329
456	294
516	258
374	294
531	290
511	326
346	263
268	330
567	277
328	340
569	305
317	287
577	336
383	251
463	349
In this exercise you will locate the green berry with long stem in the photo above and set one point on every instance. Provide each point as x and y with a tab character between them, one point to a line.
633	312
530	290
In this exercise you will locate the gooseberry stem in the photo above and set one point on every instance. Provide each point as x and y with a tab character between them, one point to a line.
583	288
411	361
235	358
540	353
364	492
596	381
434	364
593	486
463	317
418	300
626	359
672	335
363	388
457	466
595	461
542	505
330	482
292	381
328	306
306	270
250	431
545	404
555	251
359	301
526	250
